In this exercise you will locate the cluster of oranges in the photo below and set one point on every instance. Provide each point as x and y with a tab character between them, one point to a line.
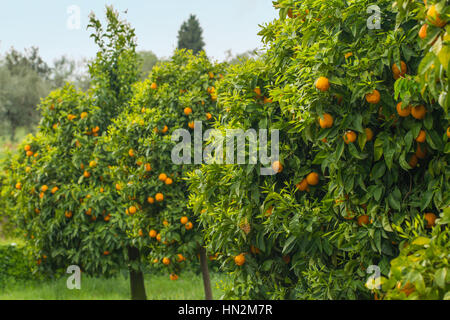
187	224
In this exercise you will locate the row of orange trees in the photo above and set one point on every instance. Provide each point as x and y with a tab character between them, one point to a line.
362	177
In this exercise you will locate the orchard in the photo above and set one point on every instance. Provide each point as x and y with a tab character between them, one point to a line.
357	205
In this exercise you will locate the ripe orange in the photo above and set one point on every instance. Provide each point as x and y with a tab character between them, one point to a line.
165	223
18	185
27	147
184	220
173	277
239	260
187	111
399	73
421	152
350	137
44	188
431	220
189	226
180	257
96	129
413	161
348	55
86	174
303	185
29	153
433	17
448	132
169	181
151	200
403	112
118	187
162	177
154	86
363	220
131	153
106	253
312	179
208	116
132	210
158	237
84	115
257	91
159	197
92	164
369	134
54	190
322	84
107	218
166	261
269	212
421	137
373	97
418	112
148	167
277	166
326	121
89	212
191	125
68	214
141	233
423	31
152	233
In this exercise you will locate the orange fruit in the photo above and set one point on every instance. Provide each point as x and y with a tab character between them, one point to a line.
184	220
350	137
54	190
403	112
152	234
191	125
348	55
326	121
303	185
369	134
413	161
277	166
166	261
107	218
89	211
131	153
151	200
154	86
422	136
148	167
397	72
257	91
423	31
162	177
286	259
173	277
68	214
159	197
269	212
44	188
254	250
189	226
92	164
312	179
322	84
165	223
431	220
448	132
118	186
169	181
418	112
180	257
208	116
187	111
373	97
86	174
106	253
29	153
27	147
433	17
267	100
84	115
363	220
132	210
239	260
18	185
421	152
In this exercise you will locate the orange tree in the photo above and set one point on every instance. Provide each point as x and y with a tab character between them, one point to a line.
363	162
178	94
64	200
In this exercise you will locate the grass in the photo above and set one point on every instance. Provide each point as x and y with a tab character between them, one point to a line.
159	287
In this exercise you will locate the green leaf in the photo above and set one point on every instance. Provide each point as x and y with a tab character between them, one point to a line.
421	241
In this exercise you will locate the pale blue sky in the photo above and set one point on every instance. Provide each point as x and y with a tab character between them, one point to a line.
227	24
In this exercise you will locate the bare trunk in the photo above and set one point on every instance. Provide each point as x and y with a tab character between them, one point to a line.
137	284
205	273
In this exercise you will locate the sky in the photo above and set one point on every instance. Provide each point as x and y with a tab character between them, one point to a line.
51	25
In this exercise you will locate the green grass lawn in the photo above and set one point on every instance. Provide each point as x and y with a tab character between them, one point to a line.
159	287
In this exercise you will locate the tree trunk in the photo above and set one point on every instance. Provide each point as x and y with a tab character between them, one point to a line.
137	285
205	273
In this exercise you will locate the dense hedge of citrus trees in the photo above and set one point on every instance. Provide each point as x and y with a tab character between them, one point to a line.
178	94
364	154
